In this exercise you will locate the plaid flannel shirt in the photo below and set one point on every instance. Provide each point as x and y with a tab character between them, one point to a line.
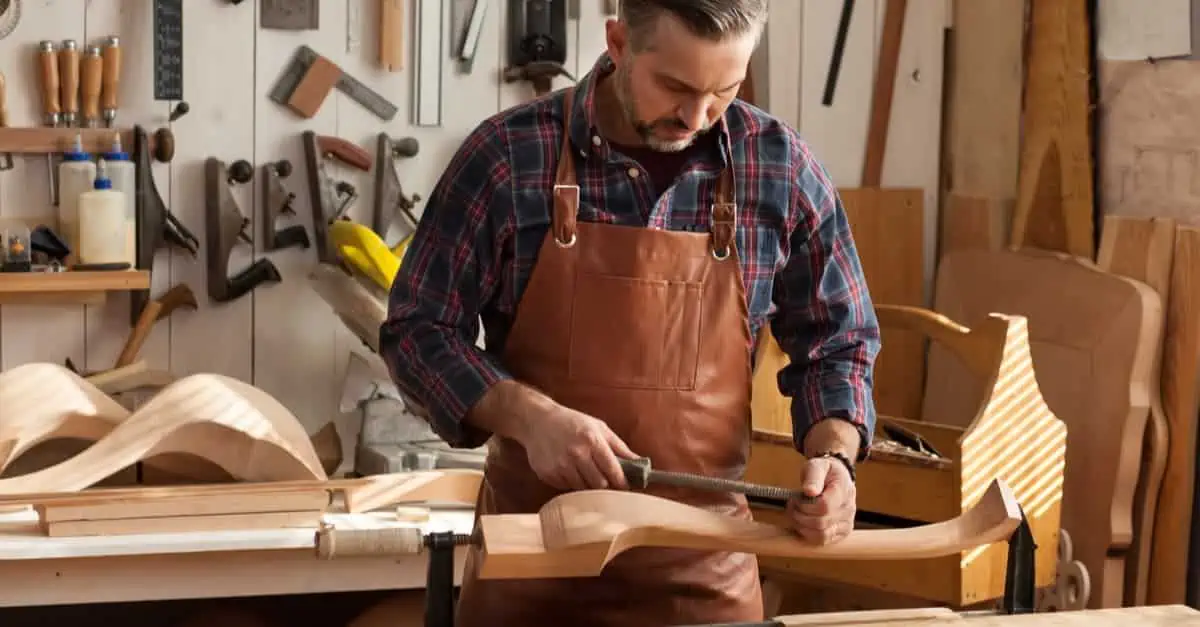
481	229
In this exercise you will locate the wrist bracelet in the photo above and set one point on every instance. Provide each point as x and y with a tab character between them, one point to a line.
841	458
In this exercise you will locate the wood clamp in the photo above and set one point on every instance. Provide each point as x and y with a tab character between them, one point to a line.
537	43
277	201
156	226
390	199
329	199
225	224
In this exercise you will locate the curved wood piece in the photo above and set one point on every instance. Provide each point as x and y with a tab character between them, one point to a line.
361	311
232	424
577	534
41	401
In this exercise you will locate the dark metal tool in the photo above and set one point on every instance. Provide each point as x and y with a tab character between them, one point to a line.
328	198
640	475
156	225
537	43
289	14
225	224
277	201
390	200
298	68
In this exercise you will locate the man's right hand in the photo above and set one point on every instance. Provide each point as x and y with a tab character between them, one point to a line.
570	450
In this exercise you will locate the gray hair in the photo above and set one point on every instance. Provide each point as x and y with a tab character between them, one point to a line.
714	20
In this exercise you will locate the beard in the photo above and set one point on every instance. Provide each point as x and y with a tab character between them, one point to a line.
646	130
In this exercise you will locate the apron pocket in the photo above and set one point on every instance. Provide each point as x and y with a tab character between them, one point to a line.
635	333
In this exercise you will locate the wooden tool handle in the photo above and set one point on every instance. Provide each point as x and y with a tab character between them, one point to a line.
68	72
48	67
391	41
3	106
137	337
91	68
111	75
881	97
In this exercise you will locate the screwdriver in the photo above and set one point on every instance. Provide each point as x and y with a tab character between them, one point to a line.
639	475
90	72
111	79
51	105
6	160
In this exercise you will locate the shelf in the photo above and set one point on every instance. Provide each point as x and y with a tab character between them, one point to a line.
68	288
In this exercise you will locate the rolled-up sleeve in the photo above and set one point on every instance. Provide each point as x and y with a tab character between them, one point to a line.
449	273
825	321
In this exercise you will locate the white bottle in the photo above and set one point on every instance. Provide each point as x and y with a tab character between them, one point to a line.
76	174
123	174
101	222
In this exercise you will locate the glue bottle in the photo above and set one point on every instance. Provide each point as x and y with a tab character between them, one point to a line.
123	174
102	221
75	176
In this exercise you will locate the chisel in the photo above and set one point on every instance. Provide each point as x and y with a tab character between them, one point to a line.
47	59
639	475
68	81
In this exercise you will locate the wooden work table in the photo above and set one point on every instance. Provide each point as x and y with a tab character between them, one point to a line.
40	570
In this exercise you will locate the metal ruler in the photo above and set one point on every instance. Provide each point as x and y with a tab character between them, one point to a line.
168	49
471	34
346	84
427	79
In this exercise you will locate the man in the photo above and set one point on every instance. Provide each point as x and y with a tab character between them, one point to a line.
623	241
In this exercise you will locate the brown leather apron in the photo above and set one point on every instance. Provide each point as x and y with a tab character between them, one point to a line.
647	330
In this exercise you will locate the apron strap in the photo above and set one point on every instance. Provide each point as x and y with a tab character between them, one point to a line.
566	187
723	219
724	213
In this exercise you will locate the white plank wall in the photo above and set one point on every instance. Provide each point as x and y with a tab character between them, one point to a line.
282	337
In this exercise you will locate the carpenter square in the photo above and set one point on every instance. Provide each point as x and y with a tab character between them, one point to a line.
639	475
296	76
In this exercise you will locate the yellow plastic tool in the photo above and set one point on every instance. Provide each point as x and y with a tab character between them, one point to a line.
365	252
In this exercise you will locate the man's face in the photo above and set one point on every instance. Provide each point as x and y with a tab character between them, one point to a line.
680	85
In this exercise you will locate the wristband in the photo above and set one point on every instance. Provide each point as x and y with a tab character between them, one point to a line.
841	458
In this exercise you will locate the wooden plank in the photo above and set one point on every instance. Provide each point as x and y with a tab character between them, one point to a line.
182	524
1143	249
187	505
984	83
888	226
1181	401
1054	194
916	122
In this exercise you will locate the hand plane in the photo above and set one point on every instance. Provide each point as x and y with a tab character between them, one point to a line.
328	198
277	201
156	225
225	224
390	199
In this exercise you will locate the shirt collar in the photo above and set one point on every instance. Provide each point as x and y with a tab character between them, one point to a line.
585	133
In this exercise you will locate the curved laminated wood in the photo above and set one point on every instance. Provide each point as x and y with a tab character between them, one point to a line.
41	401
577	534
239	428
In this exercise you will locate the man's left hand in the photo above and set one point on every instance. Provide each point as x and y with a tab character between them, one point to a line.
830	517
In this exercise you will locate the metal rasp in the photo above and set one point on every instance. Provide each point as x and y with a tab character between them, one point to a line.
639	475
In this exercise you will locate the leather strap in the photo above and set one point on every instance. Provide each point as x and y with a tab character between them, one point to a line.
723	218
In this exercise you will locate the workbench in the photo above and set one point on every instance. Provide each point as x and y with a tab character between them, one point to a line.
40	570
